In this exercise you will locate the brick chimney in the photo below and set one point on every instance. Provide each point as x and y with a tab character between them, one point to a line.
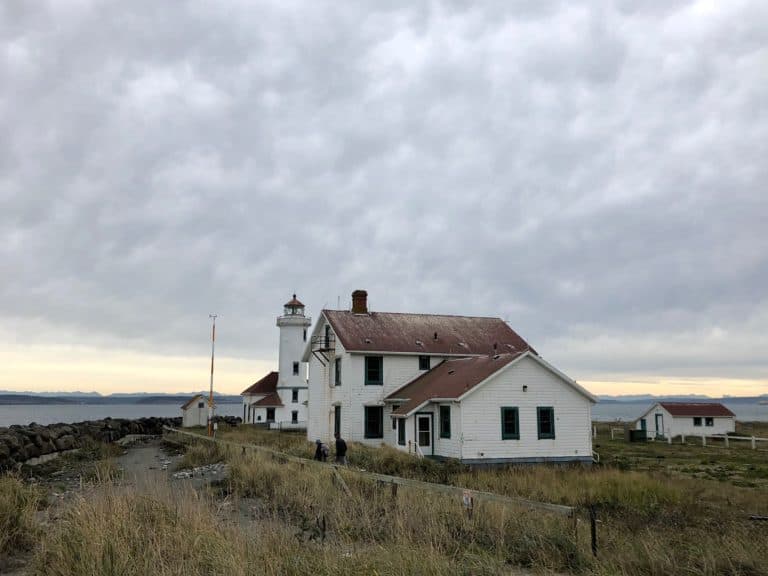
359	302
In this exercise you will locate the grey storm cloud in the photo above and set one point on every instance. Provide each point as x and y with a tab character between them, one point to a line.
593	173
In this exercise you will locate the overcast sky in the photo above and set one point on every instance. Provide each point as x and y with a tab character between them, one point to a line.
594	173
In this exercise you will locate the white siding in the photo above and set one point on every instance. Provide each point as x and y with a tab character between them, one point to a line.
353	395
321	389
481	416
194	415
449	447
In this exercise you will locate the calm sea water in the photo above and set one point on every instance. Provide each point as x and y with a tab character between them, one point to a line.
611	412
51	414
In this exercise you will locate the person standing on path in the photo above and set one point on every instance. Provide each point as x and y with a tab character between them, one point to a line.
321	452
341	450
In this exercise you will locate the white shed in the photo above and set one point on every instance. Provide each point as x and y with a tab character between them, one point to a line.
670	419
194	412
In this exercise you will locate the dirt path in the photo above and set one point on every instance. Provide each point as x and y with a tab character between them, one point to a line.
146	465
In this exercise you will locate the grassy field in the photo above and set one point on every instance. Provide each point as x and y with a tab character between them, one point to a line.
737	465
659	513
662	509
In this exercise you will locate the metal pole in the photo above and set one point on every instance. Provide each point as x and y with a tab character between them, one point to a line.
210	395
593	528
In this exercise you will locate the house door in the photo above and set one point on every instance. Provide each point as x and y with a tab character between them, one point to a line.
643	424
270	414
424	433
337	420
659	425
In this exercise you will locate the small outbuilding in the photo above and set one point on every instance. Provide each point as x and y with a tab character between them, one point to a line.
194	412
670	419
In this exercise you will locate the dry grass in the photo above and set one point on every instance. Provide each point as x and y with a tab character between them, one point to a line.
651	521
117	531
200	454
18	504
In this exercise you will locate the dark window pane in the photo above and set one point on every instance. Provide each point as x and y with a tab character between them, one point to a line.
374	422
445	421
374	373
546	420
510	424
423	362
401	431
337	372
295	368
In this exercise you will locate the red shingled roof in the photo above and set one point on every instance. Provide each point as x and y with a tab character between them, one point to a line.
266	385
449	379
696	409
270	400
415	333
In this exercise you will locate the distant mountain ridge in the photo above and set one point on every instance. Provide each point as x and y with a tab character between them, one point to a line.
649	398
97	399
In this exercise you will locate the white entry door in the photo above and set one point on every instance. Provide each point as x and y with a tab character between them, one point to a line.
424	433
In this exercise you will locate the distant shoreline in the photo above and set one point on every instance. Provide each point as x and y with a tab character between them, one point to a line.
27	400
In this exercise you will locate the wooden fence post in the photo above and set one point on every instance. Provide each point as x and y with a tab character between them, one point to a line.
682	436
669	439
703	440
593	528
726	441
754	444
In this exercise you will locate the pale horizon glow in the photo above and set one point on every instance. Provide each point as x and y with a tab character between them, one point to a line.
81	369
84	369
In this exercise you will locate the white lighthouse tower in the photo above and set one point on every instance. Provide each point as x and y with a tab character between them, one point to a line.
279	399
292	372
293	337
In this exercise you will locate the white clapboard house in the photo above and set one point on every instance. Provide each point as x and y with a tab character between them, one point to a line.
671	419
444	386
194	412
279	399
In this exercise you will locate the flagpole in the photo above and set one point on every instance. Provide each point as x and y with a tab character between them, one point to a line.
210	395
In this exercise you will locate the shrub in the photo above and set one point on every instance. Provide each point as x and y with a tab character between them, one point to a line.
18	504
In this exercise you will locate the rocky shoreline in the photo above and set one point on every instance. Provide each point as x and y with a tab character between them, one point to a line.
21	443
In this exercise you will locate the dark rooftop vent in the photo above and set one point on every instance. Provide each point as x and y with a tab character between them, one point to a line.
451	371
419	343
496	357
435	336
367	340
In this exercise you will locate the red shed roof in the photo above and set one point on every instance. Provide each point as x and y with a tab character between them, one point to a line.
270	400
696	409
266	385
189	402
449	379
424	333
